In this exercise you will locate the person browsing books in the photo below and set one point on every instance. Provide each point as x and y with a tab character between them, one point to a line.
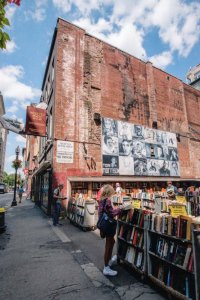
105	206
172	190
57	200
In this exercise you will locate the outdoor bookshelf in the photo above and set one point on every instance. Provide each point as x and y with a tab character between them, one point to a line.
170	264
161	249
131	240
79	188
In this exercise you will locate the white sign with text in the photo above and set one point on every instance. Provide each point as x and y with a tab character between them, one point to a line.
65	152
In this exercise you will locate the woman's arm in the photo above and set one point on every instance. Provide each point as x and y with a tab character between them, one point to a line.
112	212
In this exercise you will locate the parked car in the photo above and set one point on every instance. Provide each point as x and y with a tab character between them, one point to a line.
3	188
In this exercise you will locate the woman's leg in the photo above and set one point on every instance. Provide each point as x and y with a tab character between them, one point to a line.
55	213
108	249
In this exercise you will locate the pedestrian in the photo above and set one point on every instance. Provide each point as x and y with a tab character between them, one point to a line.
118	189
20	193
105	206
57	199
172	190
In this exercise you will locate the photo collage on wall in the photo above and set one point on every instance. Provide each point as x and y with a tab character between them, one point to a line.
129	149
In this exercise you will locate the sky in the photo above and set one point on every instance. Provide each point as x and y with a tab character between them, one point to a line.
165	32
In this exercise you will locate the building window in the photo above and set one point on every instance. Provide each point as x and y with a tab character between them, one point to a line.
48	86
46	95
50	125
52	72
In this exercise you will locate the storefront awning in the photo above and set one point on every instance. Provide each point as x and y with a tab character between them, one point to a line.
43	167
130	179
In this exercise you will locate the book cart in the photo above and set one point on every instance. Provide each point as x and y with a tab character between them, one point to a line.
81	213
161	247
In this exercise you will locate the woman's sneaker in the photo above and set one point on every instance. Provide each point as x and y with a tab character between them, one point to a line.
109	272
113	261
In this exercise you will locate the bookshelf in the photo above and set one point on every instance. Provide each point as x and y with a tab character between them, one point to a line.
79	188
196	248
129	187
193	202
81	213
169	257
163	248
131	240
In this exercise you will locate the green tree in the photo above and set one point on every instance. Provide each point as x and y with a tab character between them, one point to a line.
4	37
9	179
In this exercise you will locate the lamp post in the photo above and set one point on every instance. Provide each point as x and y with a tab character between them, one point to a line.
14	202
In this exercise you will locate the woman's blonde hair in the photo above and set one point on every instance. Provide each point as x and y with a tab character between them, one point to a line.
107	191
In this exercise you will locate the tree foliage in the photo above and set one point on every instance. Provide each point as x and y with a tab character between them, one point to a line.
9	179
4	37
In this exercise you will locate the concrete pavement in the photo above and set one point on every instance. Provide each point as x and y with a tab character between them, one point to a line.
39	261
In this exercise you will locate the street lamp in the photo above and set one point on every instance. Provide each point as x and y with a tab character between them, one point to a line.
14	202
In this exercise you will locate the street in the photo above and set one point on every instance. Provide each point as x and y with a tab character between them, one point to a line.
45	262
6	200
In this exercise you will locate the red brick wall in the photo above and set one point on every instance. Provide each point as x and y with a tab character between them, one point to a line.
94	77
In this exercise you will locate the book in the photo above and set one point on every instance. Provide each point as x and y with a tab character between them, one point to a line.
129	254
139	259
171	251
132	234
190	264
141	241
173	230
187	257
186	222
135	237
158	223
179	255
169	230
160	274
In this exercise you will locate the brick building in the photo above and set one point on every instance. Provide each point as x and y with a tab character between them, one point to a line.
87	80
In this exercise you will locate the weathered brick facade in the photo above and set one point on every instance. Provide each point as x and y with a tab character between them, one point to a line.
92	76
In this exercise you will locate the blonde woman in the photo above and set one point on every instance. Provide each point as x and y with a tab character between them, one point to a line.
105	206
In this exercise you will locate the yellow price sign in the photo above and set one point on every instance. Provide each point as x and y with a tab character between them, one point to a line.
177	210
181	199
136	203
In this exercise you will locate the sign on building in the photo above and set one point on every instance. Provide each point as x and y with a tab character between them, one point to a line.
130	149
35	121
65	152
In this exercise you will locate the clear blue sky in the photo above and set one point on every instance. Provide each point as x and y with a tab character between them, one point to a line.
166	32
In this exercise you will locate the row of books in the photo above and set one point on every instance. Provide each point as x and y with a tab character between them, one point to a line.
131	255
135	216
180	227
183	283
173	252
132	235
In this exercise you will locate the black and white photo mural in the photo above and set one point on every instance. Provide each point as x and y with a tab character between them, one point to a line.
129	149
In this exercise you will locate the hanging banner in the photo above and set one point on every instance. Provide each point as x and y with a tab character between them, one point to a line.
65	152
35	121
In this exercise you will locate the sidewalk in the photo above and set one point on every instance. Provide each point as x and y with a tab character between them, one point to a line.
39	261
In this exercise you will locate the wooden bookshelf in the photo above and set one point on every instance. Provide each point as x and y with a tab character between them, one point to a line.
131	241
79	188
171	262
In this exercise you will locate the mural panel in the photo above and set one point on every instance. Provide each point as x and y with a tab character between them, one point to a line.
129	149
